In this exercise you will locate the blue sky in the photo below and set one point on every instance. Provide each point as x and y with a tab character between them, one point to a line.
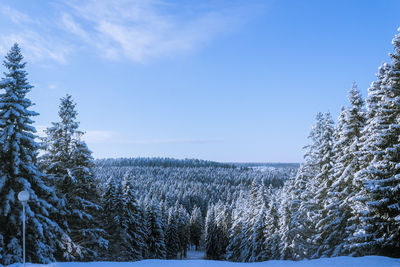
218	80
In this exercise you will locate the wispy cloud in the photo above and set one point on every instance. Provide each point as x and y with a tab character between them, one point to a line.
15	15
139	30
133	30
111	137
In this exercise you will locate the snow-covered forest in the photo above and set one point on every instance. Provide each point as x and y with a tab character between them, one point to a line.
342	201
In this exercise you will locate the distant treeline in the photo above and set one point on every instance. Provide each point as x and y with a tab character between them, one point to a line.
160	162
268	164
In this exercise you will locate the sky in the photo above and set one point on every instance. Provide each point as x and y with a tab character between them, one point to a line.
223	80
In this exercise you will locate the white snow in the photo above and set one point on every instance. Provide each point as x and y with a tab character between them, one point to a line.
368	261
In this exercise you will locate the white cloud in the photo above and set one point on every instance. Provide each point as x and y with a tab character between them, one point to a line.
35	46
99	136
15	15
104	136
134	30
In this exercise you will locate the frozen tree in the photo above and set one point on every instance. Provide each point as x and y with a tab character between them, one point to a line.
380	177
171	236
236	233
155	235
259	252
182	221
287	208
115	224
134	221
214	235
68	161
196	226
18	171
337	224
322	182
271	230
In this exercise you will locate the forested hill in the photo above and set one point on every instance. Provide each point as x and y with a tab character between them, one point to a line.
189	182
160	162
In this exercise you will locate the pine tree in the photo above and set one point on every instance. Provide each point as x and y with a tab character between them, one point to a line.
259	252
236	233
70	164
132	214
183	230
338	210
271	231
18	152
115	223
196	226
381	176
286	212
155	235
307	189
322	182
171	236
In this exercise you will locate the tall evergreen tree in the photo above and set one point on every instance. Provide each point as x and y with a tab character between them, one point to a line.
196	226
322	183
337	223
133	216
236	233
171	236
115	223
155	235
381	175
69	161
18	171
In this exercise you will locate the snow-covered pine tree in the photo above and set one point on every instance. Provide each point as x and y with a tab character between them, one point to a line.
381	177
115	224
257	240
286	212
236	233
171	236
359	242
132	214
301	193
69	162
196	226
223	220
259	252
305	185
271	230
338	210
183	230
211	236
155	235
322	182
18	152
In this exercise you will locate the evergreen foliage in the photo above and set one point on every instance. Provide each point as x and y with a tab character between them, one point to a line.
69	163
18	171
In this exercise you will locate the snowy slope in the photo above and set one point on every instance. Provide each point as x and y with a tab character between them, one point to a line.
368	261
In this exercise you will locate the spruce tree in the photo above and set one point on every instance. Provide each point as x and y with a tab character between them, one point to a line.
155	235
115	223
381	176
18	153
196	226
236	232
322	182
133	216
69	162
171	236
337	222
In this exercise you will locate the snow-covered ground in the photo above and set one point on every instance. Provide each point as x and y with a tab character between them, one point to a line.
369	261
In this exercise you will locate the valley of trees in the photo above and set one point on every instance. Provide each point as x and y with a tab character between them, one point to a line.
343	200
